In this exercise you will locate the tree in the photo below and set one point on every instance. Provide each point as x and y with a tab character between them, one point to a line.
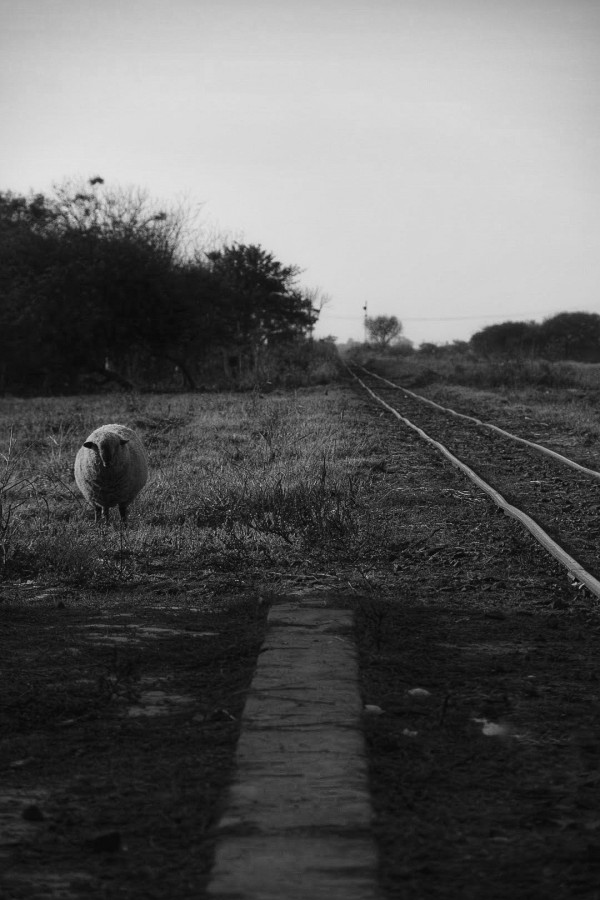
564	336
383	329
571	336
95	280
89	274
29	252
510	339
262	301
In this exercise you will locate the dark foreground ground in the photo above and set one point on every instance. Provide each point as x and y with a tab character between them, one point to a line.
118	734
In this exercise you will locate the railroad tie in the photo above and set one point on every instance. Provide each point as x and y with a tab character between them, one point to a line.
298	819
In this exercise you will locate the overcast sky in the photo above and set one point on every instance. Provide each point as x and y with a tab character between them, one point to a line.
438	160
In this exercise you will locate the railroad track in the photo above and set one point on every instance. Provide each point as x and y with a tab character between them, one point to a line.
554	497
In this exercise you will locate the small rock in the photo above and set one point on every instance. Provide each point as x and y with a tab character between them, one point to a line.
493	729
373	709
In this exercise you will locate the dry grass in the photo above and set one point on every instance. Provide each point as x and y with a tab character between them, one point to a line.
232	476
501	374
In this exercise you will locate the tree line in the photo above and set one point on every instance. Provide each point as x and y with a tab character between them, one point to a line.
104	284
573	336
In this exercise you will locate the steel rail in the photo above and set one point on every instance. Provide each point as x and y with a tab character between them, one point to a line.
555	550
558	456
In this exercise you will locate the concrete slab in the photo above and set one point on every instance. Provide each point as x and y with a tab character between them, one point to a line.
298	817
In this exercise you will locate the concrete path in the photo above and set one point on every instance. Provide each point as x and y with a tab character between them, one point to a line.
298	820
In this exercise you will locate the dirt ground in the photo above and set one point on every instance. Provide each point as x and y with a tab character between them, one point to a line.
480	674
120	710
118	732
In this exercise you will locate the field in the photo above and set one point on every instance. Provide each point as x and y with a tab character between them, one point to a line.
129	652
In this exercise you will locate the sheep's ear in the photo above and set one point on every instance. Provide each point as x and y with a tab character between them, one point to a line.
90	445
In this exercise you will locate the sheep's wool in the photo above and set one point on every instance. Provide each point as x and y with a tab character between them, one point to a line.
114	473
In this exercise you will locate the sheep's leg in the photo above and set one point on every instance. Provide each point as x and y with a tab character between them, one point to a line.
97	513
124	509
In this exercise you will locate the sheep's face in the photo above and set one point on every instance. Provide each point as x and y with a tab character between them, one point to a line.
108	449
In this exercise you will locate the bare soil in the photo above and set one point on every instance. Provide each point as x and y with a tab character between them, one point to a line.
119	720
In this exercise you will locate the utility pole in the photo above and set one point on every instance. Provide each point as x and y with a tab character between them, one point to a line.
365	323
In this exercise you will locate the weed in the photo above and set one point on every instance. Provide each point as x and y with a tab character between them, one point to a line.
12	487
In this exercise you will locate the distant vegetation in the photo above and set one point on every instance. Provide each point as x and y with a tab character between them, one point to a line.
572	336
566	336
563	352
101	286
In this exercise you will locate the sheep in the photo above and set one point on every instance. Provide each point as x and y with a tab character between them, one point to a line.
111	468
